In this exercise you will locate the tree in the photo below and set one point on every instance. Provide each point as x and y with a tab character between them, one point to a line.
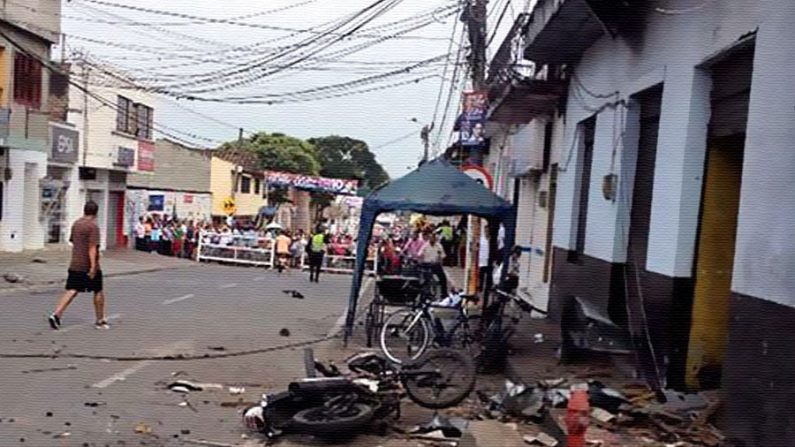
345	157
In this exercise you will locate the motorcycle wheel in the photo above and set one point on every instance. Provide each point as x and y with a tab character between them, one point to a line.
319	422
450	378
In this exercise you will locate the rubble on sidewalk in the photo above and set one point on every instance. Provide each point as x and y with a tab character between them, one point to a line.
616	416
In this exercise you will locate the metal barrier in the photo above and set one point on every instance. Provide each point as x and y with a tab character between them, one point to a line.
342	264
235	249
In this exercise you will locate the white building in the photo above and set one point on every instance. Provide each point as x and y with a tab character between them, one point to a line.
116	121
525	132
674	203
28	31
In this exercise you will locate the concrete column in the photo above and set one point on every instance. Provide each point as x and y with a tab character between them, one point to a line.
679	169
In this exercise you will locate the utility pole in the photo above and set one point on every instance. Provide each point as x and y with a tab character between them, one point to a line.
476	15
238	168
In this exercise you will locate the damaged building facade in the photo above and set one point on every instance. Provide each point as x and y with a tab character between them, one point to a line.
673	204
526	128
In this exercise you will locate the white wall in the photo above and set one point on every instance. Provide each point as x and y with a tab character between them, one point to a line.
20	228
99	148
671	49
765	251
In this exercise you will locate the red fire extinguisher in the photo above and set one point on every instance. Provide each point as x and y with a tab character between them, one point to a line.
577	418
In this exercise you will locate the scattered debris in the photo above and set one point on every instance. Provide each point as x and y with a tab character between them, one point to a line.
13	278
602	415
63	368
538	338
179	389
236	390
94	404
294	293
541	439
216	348
284	332
65	434
49	414
441	426
143	429
184	386
38	260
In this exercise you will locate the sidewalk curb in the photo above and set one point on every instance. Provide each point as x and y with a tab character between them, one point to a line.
36	287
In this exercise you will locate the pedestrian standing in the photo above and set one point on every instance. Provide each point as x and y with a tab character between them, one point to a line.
432	257
484	260
140	233
283	242
317	248
84	273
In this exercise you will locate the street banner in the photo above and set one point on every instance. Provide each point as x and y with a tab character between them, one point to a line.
472	121
309	183
146	156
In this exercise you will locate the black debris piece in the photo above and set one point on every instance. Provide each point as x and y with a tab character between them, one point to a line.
284	332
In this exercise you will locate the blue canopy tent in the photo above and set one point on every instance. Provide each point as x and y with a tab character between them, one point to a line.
435	188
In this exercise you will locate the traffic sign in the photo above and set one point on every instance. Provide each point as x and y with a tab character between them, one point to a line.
229	206
480	174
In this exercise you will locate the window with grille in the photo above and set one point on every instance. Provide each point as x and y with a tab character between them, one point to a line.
27	80
133	118
245	185
124	110
144	123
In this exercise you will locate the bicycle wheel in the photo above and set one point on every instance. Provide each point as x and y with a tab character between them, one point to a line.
404	336
439	379
466	335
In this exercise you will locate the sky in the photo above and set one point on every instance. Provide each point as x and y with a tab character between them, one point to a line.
169	52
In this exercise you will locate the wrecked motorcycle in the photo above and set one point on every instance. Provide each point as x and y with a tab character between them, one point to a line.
338	404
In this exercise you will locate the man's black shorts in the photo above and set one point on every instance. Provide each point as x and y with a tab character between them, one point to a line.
82	283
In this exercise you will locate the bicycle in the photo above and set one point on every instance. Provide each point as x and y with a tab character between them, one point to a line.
496	335
407	333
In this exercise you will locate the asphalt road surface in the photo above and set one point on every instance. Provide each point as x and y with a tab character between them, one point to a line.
203	309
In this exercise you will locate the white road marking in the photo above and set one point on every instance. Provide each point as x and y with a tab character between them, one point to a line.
176	300
121	376
78	326
228	286
260	278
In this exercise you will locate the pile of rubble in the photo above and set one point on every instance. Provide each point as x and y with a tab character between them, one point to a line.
633	416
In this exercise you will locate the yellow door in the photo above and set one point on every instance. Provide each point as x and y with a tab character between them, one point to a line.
714	261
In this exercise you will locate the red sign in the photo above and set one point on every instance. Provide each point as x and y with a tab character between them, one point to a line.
187	198
146	156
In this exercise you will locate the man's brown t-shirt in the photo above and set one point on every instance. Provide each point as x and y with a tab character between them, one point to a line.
85	234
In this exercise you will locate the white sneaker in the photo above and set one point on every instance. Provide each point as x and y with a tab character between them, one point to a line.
102	325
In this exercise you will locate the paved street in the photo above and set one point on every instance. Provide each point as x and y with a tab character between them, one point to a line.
193	311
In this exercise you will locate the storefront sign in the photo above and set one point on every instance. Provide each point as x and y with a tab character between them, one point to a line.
125	157
146	156
187	198
64	144
309	183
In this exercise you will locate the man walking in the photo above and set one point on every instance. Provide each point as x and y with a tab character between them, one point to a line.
85	274
317	247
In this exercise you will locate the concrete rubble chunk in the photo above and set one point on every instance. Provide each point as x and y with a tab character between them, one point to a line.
541	439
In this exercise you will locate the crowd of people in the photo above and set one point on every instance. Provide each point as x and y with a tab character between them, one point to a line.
397	248
436	246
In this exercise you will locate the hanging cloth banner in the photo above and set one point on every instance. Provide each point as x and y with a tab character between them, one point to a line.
309	183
